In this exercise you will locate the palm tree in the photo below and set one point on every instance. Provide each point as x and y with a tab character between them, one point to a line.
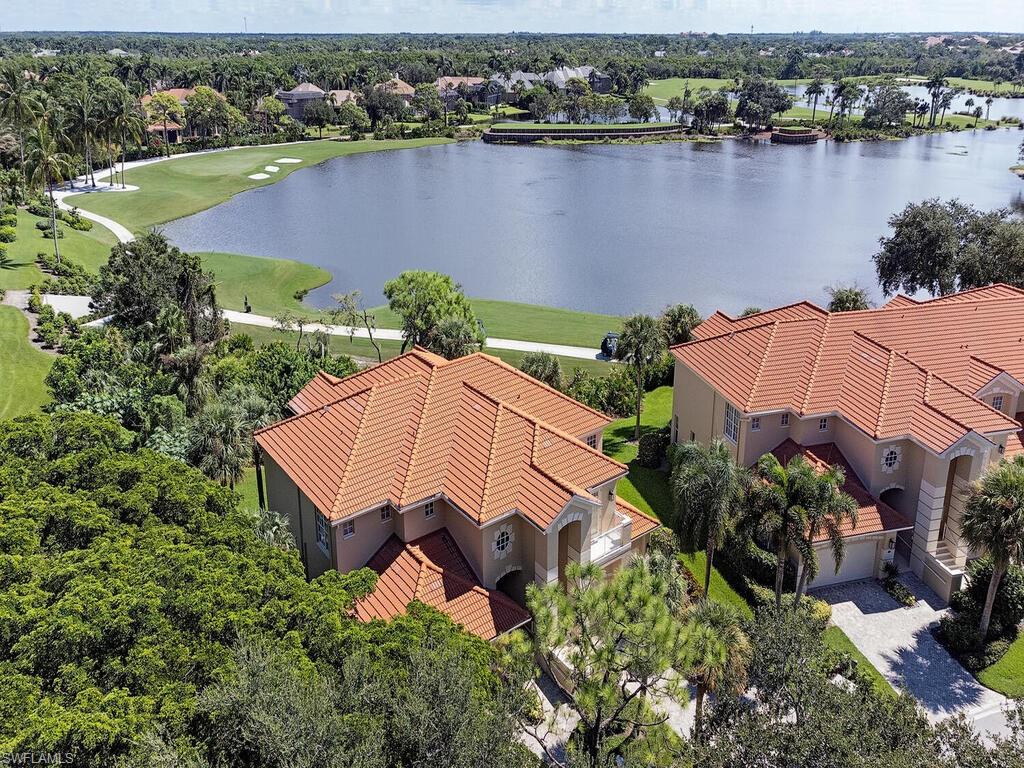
640	345
838	85
127	124
828	507
187	366
721	653
18	104
218	443
994	522
83	114
815	89
935	84
707	488
47	165
988	106
778	500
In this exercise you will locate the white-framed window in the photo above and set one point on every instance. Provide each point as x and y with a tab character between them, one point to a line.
323	535
755	423
997	402
385	513
348	529
822	424
592	441
504	539
891	459
428	509
784	420
731	428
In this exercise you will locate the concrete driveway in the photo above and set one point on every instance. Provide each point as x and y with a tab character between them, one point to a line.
898	641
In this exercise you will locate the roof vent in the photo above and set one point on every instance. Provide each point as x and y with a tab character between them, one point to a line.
325	409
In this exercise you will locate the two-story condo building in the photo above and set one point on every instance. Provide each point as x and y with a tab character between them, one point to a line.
458	482
914	399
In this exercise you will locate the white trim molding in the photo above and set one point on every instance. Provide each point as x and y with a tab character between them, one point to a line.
886	451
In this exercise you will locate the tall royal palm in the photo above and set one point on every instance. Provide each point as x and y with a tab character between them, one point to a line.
827	507
935	85
640	344
18	104
48	165
127	124
994	522
721	653
707	488
778	508
83	115
814	91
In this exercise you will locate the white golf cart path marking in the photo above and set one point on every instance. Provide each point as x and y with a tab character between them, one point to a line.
259	176
77	306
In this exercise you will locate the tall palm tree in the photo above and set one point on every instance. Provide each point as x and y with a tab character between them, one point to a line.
935	85
18	104
707	488
988	106
83	116
946	101
187	365
127	124
994	522
48	165
721	654
814	90
640	344
828	507
838	85
778	508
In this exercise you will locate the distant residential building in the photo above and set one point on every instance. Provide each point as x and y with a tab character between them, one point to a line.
398	86
175	131
599	81
340	96
40	53
660	54
451	89
297	98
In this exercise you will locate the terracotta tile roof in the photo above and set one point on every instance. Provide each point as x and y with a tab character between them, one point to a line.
399	86
642	522
433	570
446	83
873	516
341	95
909	368
483	434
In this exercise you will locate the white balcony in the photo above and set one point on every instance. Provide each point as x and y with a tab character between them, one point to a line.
612	542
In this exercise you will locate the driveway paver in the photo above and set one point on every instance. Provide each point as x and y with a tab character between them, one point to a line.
899	642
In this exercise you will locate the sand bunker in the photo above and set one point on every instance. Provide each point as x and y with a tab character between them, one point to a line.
259	176
288	160
271	168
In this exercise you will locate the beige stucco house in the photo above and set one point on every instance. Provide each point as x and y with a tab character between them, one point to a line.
915	399
458	482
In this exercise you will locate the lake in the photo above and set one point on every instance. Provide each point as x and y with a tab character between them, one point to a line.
609	227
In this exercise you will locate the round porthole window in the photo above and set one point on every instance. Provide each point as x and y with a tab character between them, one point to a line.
891	459
502	541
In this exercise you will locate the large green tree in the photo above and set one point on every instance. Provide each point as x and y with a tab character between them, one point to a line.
422	300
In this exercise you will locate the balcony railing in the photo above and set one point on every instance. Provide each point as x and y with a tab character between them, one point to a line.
608	541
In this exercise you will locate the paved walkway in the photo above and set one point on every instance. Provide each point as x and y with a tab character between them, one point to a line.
898	641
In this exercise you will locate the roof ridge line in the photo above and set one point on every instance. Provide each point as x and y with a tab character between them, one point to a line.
748	329
490	459
885	391
419	434
807	302
318	409
541	423
814	365
761	365
335	507
502	364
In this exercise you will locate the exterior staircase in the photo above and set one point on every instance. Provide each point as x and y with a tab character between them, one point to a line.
947	556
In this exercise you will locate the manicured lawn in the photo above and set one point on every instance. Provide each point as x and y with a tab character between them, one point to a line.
1007	674
662	90
90	249
181	186
835	638
512	320
362	348
22	367
246	488
270	284
979	85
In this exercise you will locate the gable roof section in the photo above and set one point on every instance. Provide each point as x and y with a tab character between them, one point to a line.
434	571
909	368
475	430
873	516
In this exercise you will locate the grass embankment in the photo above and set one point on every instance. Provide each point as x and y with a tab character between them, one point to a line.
1007	675
271	285
22	367
90	249
648	489
182	186
662	90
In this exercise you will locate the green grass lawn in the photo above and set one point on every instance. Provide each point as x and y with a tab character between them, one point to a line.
1007	674
22	367
362	348
835	638
269	284
90	249
979	85
182	186
662	90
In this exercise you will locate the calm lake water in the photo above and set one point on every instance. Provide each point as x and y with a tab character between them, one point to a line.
609	228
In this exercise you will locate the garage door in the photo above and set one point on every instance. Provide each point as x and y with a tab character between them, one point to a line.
858	563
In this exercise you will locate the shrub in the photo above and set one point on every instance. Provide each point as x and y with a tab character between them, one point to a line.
979	659
9	209
3	253
48	234
1008	609
652	447
9	220
8	234
44	225
959	632
660	373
